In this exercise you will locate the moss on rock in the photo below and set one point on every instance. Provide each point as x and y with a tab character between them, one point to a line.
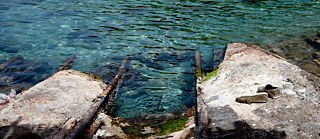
171	126
207	76
133	131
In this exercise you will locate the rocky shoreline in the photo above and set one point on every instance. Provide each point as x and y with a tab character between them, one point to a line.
51	109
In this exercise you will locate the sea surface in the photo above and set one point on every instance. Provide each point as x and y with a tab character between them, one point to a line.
160	36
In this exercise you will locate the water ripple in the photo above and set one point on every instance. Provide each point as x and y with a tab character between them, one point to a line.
160	35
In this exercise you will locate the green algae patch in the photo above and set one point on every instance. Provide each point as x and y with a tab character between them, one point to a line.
138	130
131	129
210	74
171	126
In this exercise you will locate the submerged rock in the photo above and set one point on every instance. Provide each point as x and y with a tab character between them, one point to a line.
18	73
109	129
294	114
45	107
314	41
302	52
6	98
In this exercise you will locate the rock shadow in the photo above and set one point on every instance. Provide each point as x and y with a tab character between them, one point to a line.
17	132
14	131
244	131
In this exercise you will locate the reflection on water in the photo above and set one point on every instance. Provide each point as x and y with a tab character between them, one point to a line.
160	36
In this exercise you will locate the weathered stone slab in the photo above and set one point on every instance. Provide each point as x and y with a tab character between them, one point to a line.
45	107
295	114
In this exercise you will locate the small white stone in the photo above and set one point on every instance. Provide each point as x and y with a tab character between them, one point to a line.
12	93
4	97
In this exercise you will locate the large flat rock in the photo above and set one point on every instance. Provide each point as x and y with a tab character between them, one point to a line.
45	107
295	114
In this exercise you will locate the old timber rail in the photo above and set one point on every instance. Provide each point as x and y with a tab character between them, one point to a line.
198	74
80	129
67	64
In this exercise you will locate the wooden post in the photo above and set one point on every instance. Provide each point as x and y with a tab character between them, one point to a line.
83	124
198	64
198	130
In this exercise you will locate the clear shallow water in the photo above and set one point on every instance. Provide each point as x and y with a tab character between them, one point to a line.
160	35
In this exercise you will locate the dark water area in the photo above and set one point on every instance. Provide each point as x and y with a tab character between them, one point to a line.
20	74
160	36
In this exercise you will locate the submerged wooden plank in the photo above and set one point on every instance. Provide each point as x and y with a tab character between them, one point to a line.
11	60
66	65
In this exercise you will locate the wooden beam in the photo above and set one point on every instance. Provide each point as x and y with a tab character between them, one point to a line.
66	128
67	63
197	69
81	127
9	61
93	128
198	64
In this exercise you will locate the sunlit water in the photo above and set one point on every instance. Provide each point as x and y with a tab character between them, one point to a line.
160	35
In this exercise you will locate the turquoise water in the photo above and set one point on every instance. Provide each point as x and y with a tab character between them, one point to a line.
160	35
